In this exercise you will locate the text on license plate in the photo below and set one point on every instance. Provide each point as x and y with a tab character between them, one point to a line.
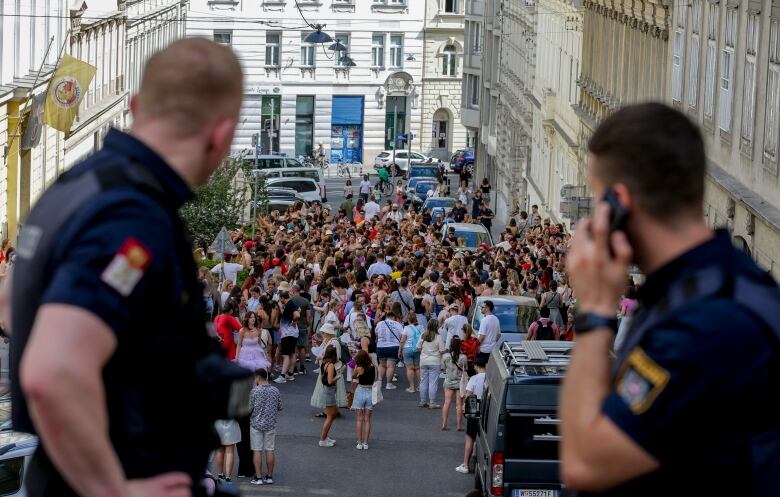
534	493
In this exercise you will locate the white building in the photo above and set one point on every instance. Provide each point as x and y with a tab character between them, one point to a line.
555	162
151	25
724	63
442	130
298	95
27	30
97	36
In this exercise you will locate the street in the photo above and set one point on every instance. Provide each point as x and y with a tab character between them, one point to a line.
408	456
335	189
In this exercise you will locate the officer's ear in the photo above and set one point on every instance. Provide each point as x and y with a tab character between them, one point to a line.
221	135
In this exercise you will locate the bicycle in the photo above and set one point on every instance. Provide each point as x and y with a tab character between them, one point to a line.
343	169
323	162
385	187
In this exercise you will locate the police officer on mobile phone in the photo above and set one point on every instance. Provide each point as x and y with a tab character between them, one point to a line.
112	364
677	412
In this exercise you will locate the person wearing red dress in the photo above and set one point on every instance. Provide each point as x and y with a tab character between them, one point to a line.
226	323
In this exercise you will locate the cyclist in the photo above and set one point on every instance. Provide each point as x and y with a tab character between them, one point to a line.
384	177
319	155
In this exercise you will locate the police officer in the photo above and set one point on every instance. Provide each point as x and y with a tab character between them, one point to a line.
110	353
684	409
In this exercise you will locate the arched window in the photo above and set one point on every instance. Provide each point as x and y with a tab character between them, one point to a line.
448	61
441	129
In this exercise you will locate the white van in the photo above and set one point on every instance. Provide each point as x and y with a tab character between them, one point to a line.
300	172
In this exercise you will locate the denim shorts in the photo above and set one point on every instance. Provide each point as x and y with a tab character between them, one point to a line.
389	353
411	358
362	399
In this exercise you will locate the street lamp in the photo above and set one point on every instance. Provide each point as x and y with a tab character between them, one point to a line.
317	36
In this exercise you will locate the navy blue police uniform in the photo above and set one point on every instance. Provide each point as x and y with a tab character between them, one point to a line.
694	379
124	256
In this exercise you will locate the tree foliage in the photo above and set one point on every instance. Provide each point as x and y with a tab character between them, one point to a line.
221	202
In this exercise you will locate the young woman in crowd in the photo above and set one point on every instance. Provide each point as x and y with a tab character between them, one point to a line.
430	346
363	379
455	367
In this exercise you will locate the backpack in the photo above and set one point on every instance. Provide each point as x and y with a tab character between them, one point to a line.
545	331
416	337
361	328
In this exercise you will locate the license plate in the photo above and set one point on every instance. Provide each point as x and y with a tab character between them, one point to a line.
534	493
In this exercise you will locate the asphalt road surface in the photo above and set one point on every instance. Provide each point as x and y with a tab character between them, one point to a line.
408	453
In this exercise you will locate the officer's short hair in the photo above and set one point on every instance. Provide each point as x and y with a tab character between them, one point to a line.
261	373
190	83
658	153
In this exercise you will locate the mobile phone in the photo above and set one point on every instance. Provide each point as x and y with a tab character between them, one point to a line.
618	214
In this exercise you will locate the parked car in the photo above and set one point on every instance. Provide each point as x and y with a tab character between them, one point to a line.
515	314
300	172
402	159
473	234
440	205
306	187
267	161
412	183
462	158
421	190
425	170
517	442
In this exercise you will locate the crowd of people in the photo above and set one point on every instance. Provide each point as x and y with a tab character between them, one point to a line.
363	294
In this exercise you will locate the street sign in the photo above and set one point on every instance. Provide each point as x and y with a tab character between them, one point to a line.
401	137
222	244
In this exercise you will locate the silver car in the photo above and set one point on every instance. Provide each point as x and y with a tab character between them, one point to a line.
306	187
515	314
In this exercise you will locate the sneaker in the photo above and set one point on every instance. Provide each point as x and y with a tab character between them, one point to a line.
297	372
268	480
390	386
330	440
325	443
303	371
422	404
434	406
410	390
308	359
462	469
280	379
365	446
221	477
401	364
395	378
359	446
290	377
256	480
228	481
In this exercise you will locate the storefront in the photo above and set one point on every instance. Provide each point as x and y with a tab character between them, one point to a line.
346	132
304	125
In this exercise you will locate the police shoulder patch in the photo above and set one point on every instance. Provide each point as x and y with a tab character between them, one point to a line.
640	381
127	267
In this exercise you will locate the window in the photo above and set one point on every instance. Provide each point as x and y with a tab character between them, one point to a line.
772	125
450	6
308	52
396	50
223	37
390	2
727	71
749	95
473	90
712	61
342	38
272	45
448	61
694	55
378	50
477	37
678	56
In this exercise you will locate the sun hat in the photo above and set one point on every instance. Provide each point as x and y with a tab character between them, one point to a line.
284	286
328	329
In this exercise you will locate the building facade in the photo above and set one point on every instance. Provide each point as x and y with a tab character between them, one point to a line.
31	37
471	93
724	64
499	71
512	159
97	36
298	95
556	166
442	131
151	25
